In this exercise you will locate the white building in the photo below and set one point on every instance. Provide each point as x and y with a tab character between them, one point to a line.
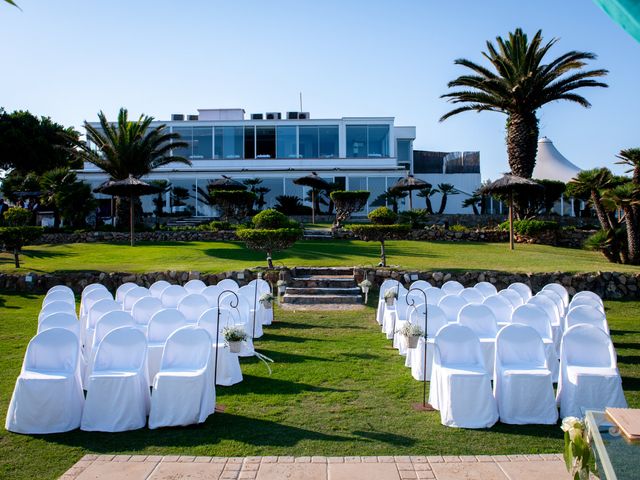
357	153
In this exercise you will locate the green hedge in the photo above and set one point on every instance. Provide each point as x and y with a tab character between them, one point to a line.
368	232
530	227
383	216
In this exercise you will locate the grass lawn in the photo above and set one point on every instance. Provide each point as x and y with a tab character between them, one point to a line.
337	388
213	257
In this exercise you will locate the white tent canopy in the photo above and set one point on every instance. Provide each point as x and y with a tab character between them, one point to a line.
551	164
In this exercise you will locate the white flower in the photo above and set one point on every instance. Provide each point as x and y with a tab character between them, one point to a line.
573	426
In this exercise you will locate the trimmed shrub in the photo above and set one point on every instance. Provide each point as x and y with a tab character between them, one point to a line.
383	216
17	217
270	219
348	202
14	238
530	228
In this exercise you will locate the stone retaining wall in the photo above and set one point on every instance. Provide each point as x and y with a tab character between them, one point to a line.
159	236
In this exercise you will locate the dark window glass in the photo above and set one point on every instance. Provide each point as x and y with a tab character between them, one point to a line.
356	141
202	142
185	136
308	142
428	162
249	142
228	142
378	141
265	142
328	140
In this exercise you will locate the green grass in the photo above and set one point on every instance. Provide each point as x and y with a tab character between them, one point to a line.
337	388
214	257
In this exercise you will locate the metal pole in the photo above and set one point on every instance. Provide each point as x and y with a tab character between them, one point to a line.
255	307
215	362
131	218
424	406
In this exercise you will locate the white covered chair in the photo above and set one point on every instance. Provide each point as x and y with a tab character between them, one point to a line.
471	295
501	307
460	385
557	300
60	288
156	288
421	284
551	309
487	289
143	310
48	397
251	294
97	293
404	306
522	383
588	294
265	315
585	300
97	310
172	295
192	306
228	370
118	391
513	296
382	304
162	324
434	295
589	315
59	296
122	290
536	317
228	284
589	378
451	306
132	296
211	293
436	319
195	286
55	307
183	389
523	289
452	287
482	321
395	316
61	320
107	322
560	291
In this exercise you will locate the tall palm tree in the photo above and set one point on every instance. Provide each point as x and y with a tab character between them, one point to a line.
445	189
591	184
52	183
626	197
427	193
631	157
521	83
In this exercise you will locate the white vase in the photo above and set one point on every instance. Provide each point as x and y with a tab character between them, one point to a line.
412	341
235	347
389	301
266	305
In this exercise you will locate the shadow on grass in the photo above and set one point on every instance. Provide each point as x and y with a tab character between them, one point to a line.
273	386
284	357
38	253
288	338
630	384
543	431
219	427
278	325
386	437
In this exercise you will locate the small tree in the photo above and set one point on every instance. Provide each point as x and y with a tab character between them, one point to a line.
233	204
17	234
272	232
445	189
346	203
381	228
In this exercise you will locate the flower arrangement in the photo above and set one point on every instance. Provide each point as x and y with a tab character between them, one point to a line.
266	299
365	284
390	295
577	451
233	336
412	333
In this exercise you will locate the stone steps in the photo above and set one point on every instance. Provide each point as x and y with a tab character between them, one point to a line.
322	299
323	291
324	286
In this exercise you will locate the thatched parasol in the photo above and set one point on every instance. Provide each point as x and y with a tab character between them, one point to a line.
316	183
507	185
129	187
225	183
409	184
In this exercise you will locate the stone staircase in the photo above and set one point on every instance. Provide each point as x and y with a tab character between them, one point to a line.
317	234
324	286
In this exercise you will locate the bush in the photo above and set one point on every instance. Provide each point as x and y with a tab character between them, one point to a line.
530	228
461	228
17	217
233	204
348	202
14	238
269	240
383	216
291	205
415	217
215	226
270	219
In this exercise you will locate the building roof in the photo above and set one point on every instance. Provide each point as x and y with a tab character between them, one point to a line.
551	164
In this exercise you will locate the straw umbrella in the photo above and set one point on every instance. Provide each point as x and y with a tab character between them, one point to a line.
316	183
129	187
225	183
507	185
409	184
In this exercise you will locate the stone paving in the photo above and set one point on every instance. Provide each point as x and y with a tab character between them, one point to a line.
155	467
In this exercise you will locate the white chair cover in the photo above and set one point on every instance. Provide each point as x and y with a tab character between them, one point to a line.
122	290
482	321
228	370
132	295
55	307
387	284
471	295
523	289
172	295
265	315
404	306
501	308
436	319
551	309
48	397
513	296
228	284
588	294
537	318
143	310
192	306
88	297
589	378
421	284
162	324
118	393
487	289
97	310
460	386
434	295
195	286
452	287
589	315
61	288
241	305
395	315
584	300
107	322
557	300
61	320
560	290
59	296
158	287
183	389
251	294
522	383
211	293
451	306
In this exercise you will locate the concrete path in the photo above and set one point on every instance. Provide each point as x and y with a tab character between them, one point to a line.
141	467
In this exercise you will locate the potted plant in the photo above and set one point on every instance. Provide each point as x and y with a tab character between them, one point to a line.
365	285
282	286
412	333
577	451
266	300
390	295
234	336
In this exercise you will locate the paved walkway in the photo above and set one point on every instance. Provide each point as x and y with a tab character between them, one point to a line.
503	467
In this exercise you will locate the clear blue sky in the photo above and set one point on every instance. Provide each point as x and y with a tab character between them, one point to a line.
68	59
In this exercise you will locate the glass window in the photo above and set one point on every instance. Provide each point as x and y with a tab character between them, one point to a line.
308	142
265	142
378	141
356	141
185	136
249	142
328	140
228	142
403	150
275	189
202	143
286	142
377	186
357	183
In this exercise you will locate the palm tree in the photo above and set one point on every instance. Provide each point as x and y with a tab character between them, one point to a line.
446	189
591	184
252	183
427	193
158	200
52	183
631	157
522	83
390	197
261	191
626	197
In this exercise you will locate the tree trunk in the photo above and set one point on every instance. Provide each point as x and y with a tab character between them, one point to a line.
601	213
429	206
443	204
633	242
522	143
16	257
383	255
475	209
